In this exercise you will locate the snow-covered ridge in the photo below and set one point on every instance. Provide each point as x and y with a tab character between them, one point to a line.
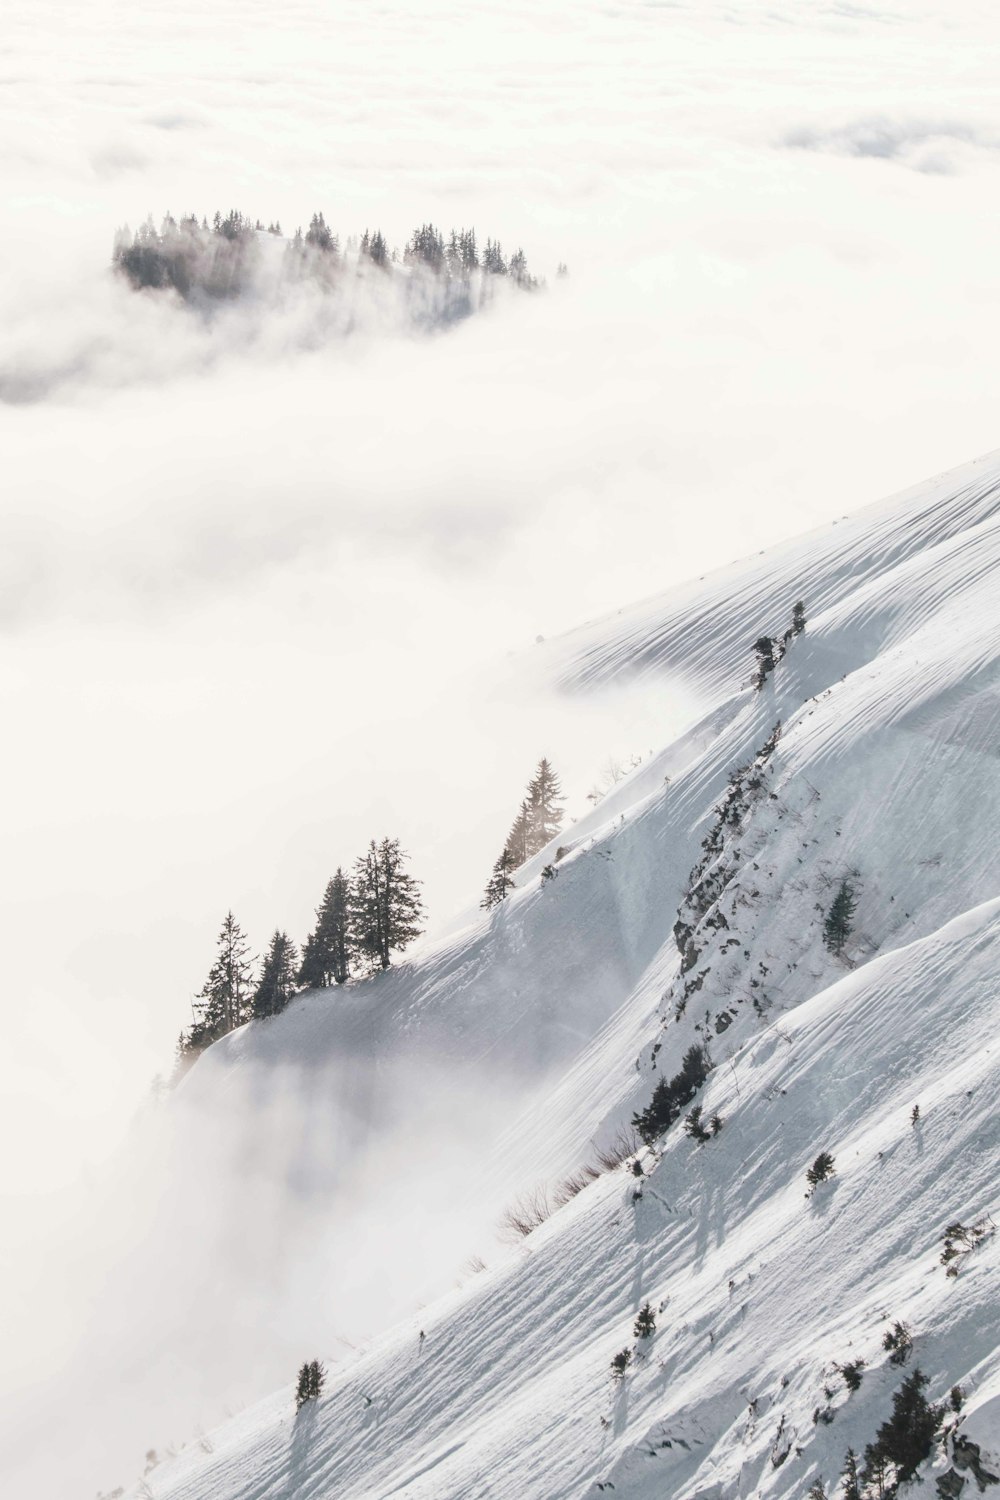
572	998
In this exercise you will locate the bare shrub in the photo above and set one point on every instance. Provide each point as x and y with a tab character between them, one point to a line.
623	1144
575	1183
525	1214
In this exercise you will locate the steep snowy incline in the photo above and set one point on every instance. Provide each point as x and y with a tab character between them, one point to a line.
760	1292
703	630
689	907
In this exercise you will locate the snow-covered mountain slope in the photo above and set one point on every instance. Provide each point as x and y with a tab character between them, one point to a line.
689	906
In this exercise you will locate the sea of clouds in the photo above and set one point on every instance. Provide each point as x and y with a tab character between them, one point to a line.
260	585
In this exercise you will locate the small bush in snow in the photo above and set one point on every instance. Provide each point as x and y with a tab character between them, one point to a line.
694	1128
620	1363
956	1398
821	1170
311	1378
851	1373
961	1239
899	1341
645	1323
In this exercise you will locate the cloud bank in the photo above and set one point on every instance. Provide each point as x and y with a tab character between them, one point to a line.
257	588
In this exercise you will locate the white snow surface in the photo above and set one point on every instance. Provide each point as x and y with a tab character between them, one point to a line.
570	999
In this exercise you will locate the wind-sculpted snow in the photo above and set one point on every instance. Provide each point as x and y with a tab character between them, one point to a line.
705	630
689	906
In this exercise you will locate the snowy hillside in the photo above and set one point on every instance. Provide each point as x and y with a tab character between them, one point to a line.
689	907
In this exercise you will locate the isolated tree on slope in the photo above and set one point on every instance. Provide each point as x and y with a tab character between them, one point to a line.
385	904
500	881
765	648
277	977
544	813
539	817
326	958
224	1000
907	1438
840	918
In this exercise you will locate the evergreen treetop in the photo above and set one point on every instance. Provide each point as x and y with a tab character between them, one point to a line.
326	958
224	1000
840	918
385	908
500	882
543	810
277	977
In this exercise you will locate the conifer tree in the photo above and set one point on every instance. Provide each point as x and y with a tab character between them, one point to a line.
645	1322
798	618
224	1000
907	1438
500	882
765	648
517	840
850	1477
326	957
385	906
840	918
310	1383
543	811
277	977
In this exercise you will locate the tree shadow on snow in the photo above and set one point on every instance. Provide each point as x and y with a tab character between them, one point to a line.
303	1432
821	1198
711	1231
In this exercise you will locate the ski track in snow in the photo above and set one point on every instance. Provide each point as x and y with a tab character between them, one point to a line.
886	773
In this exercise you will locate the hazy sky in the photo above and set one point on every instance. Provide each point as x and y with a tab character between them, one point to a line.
258	596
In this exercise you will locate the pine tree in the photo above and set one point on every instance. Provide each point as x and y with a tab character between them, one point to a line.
876	1475
326	957
385	905
544	813
850	1477
517	839
317	1376
798	618
310	1383
672	1095
840	918
765	648
277	977
645	1322
499	883
224	1000
822	1169
907	1438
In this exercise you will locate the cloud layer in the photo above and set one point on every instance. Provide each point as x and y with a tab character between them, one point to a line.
258	587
